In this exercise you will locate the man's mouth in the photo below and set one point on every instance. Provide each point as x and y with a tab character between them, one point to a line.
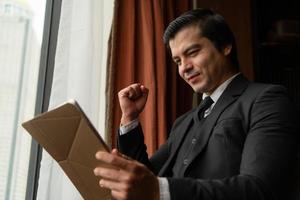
192	77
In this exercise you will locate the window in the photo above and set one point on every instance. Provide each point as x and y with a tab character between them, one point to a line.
21	33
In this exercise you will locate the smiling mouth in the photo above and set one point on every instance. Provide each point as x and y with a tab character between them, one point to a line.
191	78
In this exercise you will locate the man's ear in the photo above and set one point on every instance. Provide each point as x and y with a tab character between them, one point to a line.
227	49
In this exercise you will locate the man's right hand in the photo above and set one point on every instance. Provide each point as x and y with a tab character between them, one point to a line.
132	101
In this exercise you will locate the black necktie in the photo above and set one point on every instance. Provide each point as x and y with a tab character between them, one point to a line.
204	105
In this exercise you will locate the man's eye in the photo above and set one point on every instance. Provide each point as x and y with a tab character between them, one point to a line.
193	53
177	62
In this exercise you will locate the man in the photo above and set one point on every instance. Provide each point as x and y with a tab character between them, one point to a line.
239	145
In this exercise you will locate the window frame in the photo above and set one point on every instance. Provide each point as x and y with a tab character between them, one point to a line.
46	68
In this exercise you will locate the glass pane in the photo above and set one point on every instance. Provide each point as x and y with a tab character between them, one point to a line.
21	28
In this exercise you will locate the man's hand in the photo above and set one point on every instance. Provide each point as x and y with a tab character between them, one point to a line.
126	178
132	101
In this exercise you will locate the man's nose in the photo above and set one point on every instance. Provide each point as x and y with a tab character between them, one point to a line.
187	66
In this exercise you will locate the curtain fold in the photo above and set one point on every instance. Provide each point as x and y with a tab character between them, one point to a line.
137	54
79	73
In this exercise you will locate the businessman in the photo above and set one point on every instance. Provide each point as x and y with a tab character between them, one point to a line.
239	143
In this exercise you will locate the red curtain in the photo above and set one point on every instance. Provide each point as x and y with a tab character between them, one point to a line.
137	54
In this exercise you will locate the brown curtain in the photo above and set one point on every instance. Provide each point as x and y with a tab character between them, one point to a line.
137	54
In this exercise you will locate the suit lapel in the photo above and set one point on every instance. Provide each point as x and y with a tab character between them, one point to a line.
231	93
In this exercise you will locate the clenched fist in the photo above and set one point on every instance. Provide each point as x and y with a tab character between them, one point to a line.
132	101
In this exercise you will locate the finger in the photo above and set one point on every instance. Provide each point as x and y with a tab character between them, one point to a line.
107	173
112	185
118	195
144	90
136	91
112	159
124	92
122	186
116	152
135	86
132	91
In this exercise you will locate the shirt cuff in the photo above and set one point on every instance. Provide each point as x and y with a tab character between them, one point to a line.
164	191
129	126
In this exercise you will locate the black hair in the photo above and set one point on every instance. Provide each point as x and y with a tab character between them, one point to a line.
211	25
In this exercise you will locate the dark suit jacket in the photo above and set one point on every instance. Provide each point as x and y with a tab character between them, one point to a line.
245	150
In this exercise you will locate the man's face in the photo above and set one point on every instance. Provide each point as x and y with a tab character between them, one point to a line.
200	64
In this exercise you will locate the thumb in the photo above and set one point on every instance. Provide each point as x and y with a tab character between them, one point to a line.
145	91
117	153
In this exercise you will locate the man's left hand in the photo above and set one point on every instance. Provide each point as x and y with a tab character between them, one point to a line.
126	178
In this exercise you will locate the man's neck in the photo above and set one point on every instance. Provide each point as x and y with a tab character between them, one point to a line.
220	89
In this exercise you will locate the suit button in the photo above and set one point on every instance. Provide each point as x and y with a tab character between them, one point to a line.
194	141
185	161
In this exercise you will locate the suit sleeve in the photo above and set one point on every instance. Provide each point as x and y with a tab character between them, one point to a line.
268	152
132	144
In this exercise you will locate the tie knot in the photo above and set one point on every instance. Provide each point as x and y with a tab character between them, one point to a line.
204	105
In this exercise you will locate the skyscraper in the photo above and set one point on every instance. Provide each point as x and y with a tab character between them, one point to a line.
19	63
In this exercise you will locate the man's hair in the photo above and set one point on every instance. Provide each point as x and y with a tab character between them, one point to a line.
211	25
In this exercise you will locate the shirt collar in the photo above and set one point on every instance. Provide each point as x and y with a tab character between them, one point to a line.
218	92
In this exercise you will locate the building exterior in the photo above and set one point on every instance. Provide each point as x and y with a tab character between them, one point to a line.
19	64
